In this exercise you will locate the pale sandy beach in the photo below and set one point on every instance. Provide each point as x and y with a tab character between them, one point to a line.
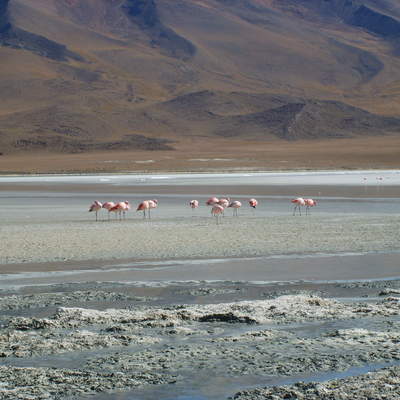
150	307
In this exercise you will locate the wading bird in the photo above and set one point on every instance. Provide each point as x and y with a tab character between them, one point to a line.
119	208
212	201
224	202
298	203
216	211
152	204
143	206
96	207
235	205
193	205
309	203
126	209
108	205
253	203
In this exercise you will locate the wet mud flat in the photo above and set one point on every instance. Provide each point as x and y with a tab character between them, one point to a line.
201	341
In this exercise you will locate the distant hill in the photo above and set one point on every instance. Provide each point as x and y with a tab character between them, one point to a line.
97	75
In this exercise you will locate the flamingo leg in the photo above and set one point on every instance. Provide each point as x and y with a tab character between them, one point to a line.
149	213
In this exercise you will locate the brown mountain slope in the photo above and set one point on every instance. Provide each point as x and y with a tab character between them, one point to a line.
90	75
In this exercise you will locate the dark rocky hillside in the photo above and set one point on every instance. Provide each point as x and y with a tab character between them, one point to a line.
144	13
16	38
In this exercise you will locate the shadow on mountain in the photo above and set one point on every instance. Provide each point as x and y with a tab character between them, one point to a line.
16	38
144	14
352	12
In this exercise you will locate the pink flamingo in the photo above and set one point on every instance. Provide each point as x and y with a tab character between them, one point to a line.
119	208
126	208
212	201
216	211
193	205
224	202
309	203
298	202
108	205
152	204
235	205
95	206
143	206
253	203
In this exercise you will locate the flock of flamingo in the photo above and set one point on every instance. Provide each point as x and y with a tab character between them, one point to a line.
218	206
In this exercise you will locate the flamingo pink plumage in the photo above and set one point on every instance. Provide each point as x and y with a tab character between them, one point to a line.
309	203
126	208
224	202
298	202
235	205
193	204
216	211
253	203
108	205
95	206
212	200
119	208
152	204
143	206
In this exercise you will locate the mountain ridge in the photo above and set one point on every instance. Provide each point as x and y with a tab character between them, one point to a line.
84	75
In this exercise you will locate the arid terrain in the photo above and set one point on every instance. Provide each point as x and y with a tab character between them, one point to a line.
271	84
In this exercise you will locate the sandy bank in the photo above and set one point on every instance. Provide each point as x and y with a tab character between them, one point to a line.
197	237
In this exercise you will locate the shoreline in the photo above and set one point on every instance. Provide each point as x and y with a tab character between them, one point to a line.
212	171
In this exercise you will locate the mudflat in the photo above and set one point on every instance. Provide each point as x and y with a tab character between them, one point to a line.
178	306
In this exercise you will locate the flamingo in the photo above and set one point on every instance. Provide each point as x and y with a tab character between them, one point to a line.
253	203
108	205
298	202
216	211
95	206
126	208
152	204
143	206
193	205
235	205
212	201
119	208
224	202
309	203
